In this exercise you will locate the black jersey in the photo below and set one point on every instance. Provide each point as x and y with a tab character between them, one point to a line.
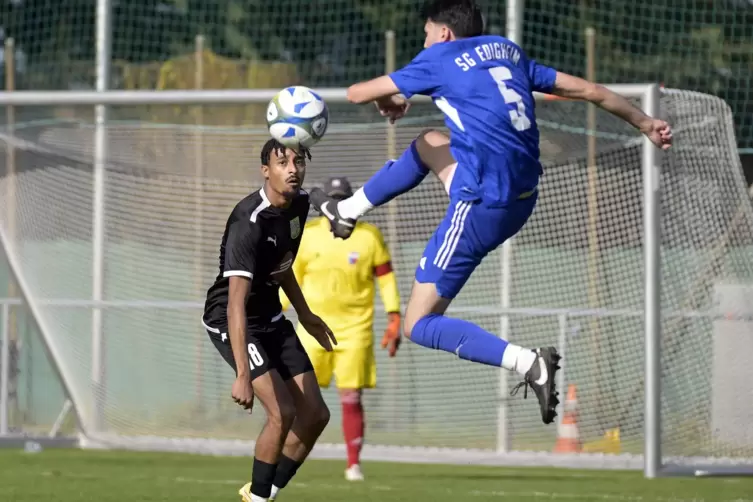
260	240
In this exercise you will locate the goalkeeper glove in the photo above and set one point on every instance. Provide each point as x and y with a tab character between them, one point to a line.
391	336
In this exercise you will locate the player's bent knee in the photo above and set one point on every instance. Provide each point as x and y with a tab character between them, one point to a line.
412	316
323	416
432	138
316	418
315	414
424	300
408	324
434	149
282	417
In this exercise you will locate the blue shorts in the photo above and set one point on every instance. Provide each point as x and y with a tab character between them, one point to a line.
468	232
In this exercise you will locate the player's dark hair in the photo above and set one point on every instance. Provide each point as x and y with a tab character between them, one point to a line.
463	17
273	145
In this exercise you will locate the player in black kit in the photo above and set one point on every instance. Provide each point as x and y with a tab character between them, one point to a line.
244	320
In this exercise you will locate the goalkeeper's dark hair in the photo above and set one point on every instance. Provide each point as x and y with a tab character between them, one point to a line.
463	17
273	145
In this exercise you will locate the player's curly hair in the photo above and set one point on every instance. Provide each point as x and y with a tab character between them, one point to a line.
273	145
463	17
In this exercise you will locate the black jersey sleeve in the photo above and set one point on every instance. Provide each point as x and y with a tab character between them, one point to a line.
241	248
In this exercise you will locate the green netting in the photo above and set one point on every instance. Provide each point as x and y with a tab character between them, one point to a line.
689	44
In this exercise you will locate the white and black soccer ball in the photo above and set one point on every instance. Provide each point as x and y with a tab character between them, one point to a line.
297	116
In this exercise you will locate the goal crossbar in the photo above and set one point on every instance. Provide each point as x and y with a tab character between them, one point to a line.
210	97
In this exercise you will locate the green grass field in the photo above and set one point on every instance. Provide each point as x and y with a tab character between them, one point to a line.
74	475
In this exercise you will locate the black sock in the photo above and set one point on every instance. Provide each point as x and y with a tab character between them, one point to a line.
261	478
286	469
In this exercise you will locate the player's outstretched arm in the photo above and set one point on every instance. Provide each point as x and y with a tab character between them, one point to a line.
423	75
572	87
239	288
384	93
310	321
372	90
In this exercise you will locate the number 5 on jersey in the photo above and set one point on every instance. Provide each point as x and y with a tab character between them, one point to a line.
254	357
500	74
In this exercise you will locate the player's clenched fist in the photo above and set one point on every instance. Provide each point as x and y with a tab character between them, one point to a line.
243	392
317	328
659	132
394	107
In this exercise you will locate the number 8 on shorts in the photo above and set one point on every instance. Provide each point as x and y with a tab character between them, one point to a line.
255	359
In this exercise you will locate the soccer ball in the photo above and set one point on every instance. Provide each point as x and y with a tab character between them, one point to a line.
297	116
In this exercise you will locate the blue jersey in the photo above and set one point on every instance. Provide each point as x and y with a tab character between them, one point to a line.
484	86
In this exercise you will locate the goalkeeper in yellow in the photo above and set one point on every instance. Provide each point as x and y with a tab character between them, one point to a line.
337	279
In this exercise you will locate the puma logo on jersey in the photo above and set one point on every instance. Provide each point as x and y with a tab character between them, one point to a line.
273	240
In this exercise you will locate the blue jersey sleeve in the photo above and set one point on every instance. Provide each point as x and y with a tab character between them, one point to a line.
420	76
542	77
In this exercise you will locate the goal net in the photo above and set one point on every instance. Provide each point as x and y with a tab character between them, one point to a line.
142	373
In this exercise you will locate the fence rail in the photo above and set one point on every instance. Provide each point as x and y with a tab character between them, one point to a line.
462	309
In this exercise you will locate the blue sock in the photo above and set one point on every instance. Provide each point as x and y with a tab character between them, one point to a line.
459	337
396	177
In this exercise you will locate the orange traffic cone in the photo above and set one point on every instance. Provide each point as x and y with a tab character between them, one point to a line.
568	437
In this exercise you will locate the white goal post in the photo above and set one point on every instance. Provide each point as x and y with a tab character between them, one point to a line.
105	422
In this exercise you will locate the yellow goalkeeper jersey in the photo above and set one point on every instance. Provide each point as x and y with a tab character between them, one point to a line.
337	279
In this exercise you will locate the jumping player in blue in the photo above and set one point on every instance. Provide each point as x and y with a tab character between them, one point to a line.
489	166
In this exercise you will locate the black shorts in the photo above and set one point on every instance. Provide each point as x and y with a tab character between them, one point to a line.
275	347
